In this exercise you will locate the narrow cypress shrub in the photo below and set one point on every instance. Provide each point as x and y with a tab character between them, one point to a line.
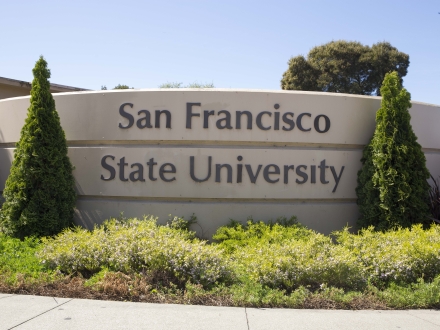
392	184
39	193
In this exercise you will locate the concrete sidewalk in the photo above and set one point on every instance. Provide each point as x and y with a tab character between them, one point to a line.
35	312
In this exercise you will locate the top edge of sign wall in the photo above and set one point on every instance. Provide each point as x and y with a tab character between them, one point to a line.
214	90
210	115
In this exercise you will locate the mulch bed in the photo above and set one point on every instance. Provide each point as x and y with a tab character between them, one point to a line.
121	287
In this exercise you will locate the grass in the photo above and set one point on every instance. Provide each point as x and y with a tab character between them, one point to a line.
280	264
19	263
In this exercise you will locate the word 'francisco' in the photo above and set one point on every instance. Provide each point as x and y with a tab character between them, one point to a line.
224	119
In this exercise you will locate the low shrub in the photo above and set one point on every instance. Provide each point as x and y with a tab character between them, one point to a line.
290	256
308	262
401	256
277	264
416	295
18	260
135	245
282	230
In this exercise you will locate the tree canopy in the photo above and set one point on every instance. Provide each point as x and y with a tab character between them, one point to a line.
345	67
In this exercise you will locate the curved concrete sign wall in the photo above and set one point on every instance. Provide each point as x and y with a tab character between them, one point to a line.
220	154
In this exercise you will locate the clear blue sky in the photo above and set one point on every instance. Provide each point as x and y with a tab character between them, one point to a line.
233	44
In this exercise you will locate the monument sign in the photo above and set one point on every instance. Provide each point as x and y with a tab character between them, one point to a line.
217	153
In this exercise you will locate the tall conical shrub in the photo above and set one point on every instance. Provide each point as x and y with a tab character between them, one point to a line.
392	184
39	193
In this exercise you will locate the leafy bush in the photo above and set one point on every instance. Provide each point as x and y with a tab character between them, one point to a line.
137	245
263	262
236	235
400	256
306	262
181	224
392	184
279	264
39	192
415	295
293	256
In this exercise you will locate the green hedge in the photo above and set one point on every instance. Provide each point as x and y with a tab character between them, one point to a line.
137	245
274	255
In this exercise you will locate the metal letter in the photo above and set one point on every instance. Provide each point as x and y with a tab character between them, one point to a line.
108	167
190	114
191	169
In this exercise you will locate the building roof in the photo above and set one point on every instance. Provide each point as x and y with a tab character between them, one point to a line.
54	88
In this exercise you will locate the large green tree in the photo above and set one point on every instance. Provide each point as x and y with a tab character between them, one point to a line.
392	184
345	67
39	192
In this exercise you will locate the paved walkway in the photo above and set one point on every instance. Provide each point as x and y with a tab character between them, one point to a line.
35	312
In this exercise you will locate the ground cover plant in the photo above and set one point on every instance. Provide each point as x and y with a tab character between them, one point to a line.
276	264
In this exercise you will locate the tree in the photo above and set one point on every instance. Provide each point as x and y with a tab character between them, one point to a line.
39	193
301	75
392	184
345	67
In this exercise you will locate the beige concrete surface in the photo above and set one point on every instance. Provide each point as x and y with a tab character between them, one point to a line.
96	314
17	309
278	319
33	312
324	217
90	174
94	116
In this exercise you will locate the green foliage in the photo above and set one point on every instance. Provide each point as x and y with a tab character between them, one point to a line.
272	256
307	262
400	256
39	192
135	245
293	256
249	293
237	235
280	264
171	85
18	259
392	184
192	85
200	85
119	86
181	224
345	67
434	200
416	295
